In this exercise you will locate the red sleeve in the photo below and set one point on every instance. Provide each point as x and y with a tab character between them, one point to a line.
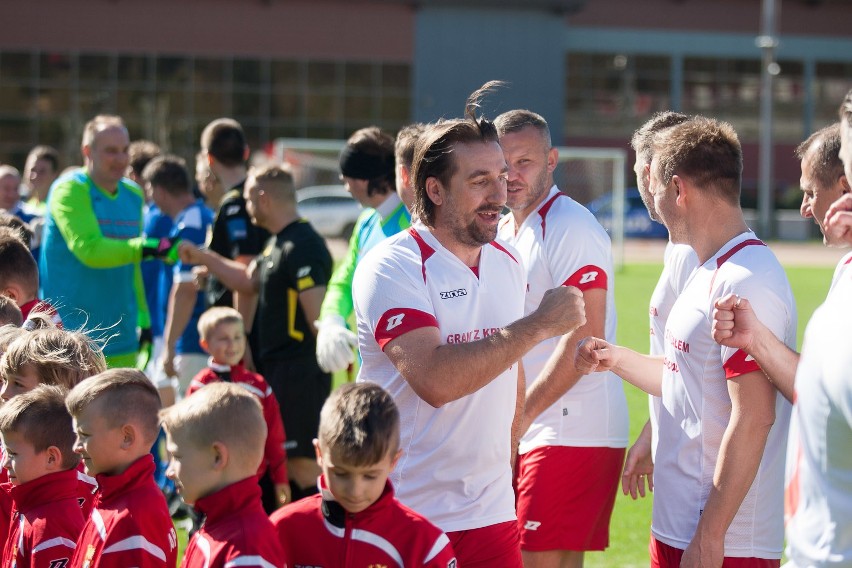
56	553
441	555
588	277
738	364
399	321
198	381
274	452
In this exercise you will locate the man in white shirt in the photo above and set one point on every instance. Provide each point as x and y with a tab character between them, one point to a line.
569	419
723	426
441	326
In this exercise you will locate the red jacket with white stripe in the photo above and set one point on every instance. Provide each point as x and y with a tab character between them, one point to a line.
130	523
274	454
236	531
318	532
45	522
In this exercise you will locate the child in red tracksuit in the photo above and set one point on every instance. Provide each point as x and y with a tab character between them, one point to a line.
215	438
223	336
39	441
356	521
116	419
48	357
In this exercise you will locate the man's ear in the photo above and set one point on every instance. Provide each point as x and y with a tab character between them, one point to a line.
844	185
404	175
86	151
552	159
435	191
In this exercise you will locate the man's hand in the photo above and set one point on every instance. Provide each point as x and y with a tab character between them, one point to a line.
734	323
165	249
167	361
199	276
334	344
595	355
638	466
561	311
703	553
838	222
189	253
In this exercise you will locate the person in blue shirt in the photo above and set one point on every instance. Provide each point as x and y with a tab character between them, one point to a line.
167	184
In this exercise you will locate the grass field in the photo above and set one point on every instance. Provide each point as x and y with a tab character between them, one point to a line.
631	522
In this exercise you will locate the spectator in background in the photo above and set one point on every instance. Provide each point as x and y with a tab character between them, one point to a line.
40	171
10	193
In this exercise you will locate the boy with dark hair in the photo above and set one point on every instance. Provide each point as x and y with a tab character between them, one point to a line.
358	447
223	336
116	420
38	451
215	439
19	278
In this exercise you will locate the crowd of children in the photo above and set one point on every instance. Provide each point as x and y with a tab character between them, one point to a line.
79	474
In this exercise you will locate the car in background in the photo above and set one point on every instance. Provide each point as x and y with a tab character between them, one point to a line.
330	208
637	223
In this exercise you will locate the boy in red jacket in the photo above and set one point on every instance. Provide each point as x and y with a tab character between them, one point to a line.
116	419
223	336
356	521
215	438
39	455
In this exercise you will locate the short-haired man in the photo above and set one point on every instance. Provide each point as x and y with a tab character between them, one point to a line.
441	326
403	152
234	236
290	277
91	248
367	171
40	171
679	261
723	428
568	418
167	184
838	219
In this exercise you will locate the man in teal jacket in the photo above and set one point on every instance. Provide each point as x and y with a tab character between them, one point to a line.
367	170
92	245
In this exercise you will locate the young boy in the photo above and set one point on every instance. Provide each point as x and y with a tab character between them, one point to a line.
223	336
10	313
215	439
356	521
19	277
116	420
38	443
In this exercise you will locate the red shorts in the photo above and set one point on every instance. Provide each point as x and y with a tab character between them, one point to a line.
664	556
565	497
488	547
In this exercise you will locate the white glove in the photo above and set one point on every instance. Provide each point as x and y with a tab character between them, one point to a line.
334	344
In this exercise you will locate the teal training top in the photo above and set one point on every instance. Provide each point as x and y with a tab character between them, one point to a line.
89	261
370	229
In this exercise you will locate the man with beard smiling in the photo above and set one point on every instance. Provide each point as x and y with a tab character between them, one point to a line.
568	419
440	326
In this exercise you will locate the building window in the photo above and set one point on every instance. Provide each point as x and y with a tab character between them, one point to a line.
830	88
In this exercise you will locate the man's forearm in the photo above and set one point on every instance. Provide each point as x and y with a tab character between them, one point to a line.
181	304
231	273
778	361
518	423
642	371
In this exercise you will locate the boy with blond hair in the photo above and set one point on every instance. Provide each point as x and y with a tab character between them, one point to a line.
223	336
356	520
38	444
116	420
215	439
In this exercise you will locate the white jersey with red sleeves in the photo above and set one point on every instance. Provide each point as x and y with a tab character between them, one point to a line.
455	466
819	457
562	244
678	263
697	407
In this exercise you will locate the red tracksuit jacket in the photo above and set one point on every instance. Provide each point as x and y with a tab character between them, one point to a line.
274	454
236	531
317	532
130	523
45	522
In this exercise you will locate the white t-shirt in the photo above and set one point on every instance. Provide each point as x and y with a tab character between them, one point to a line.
678	263
842	273
455	467
561	243
696	406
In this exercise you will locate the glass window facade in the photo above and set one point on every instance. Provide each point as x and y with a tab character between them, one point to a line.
46	98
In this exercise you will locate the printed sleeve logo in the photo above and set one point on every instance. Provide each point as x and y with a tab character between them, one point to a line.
61	563
394	321
453	294
588	277
452	563
304	271
532	525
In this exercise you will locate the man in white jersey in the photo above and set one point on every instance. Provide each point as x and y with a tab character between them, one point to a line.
678	263
723	427
838	219
563	510
735	325
435	307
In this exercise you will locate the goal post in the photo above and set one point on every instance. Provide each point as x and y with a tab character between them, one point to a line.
584	174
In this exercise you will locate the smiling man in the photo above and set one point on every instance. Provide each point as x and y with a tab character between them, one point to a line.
440	326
